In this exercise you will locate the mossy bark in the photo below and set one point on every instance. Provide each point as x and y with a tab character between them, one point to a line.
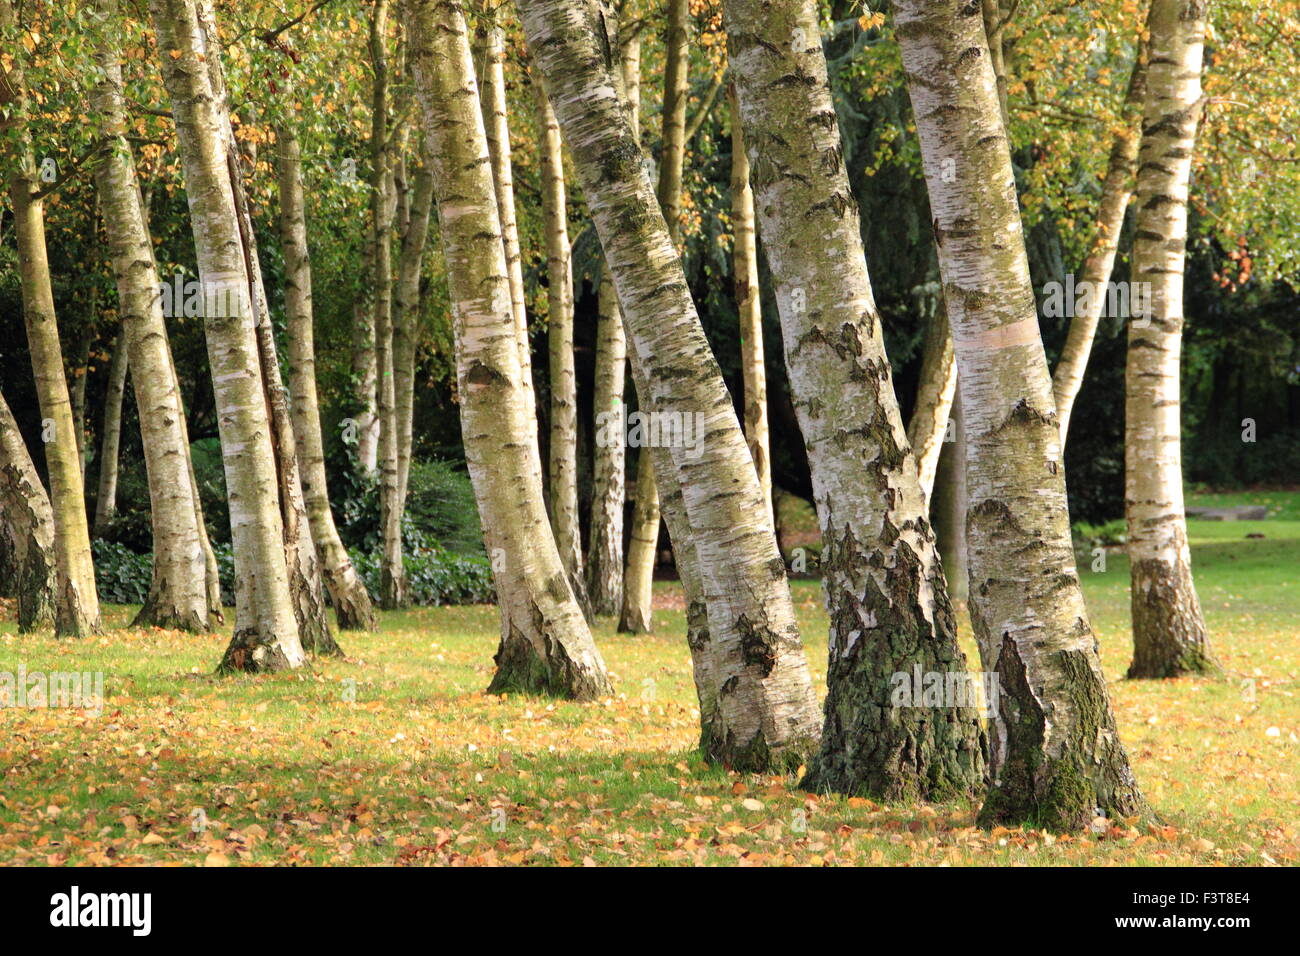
1055	755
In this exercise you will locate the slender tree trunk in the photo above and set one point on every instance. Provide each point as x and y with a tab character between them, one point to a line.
406	320
392	586
545	643
609	479
76	603
365	369
266	628
563	445
490	55
306	585
928	427
1169	634
110	439
352	604
948	506
767	709
178	595
80	375
638	595
885	590
744	259
1116	189
1055	753
27	527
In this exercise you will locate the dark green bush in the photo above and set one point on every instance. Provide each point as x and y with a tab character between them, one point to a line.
121	575
435	576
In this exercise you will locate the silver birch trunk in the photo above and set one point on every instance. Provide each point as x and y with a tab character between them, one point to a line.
884	586
767	709
609	477
266	628
27	527
406	319
110	440
545	643
1116	190
490	55
744	258
928	427
76	602
352	604
178	596
1169	634
563	444
1055	754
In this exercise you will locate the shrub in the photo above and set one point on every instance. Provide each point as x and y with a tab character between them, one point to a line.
121	575
435	576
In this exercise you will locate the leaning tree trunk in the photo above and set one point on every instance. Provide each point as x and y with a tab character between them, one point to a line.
306	584
767	709
563	445
27	525
178	595
76	602
347	591
928	428
1169	635
638	597
545	643
406	309
884	585
1116	190
489	39
948	504
110	440
266	628
1055	754
744	258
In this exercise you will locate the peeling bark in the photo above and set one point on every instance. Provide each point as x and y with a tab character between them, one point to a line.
767	711
884	586
546	646
26	528
1169	634
1055	754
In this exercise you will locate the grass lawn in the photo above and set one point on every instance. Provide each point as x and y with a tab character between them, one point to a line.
394	755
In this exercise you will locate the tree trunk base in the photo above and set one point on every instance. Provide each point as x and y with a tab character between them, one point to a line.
353	608
70	617
250	653
392	590
1169	634
522	669
635	620
158	611
874	742
1038	787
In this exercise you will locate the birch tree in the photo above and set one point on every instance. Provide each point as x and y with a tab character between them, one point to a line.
27	527
766	711
545	645
76	602
352	604
884	586
1169	634
110	440
490	58
266	628
1055	754
563	445
744	258
177	595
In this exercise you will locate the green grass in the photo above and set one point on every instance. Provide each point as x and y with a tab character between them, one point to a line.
421	764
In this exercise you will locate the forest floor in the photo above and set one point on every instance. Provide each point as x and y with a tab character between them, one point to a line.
395	755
